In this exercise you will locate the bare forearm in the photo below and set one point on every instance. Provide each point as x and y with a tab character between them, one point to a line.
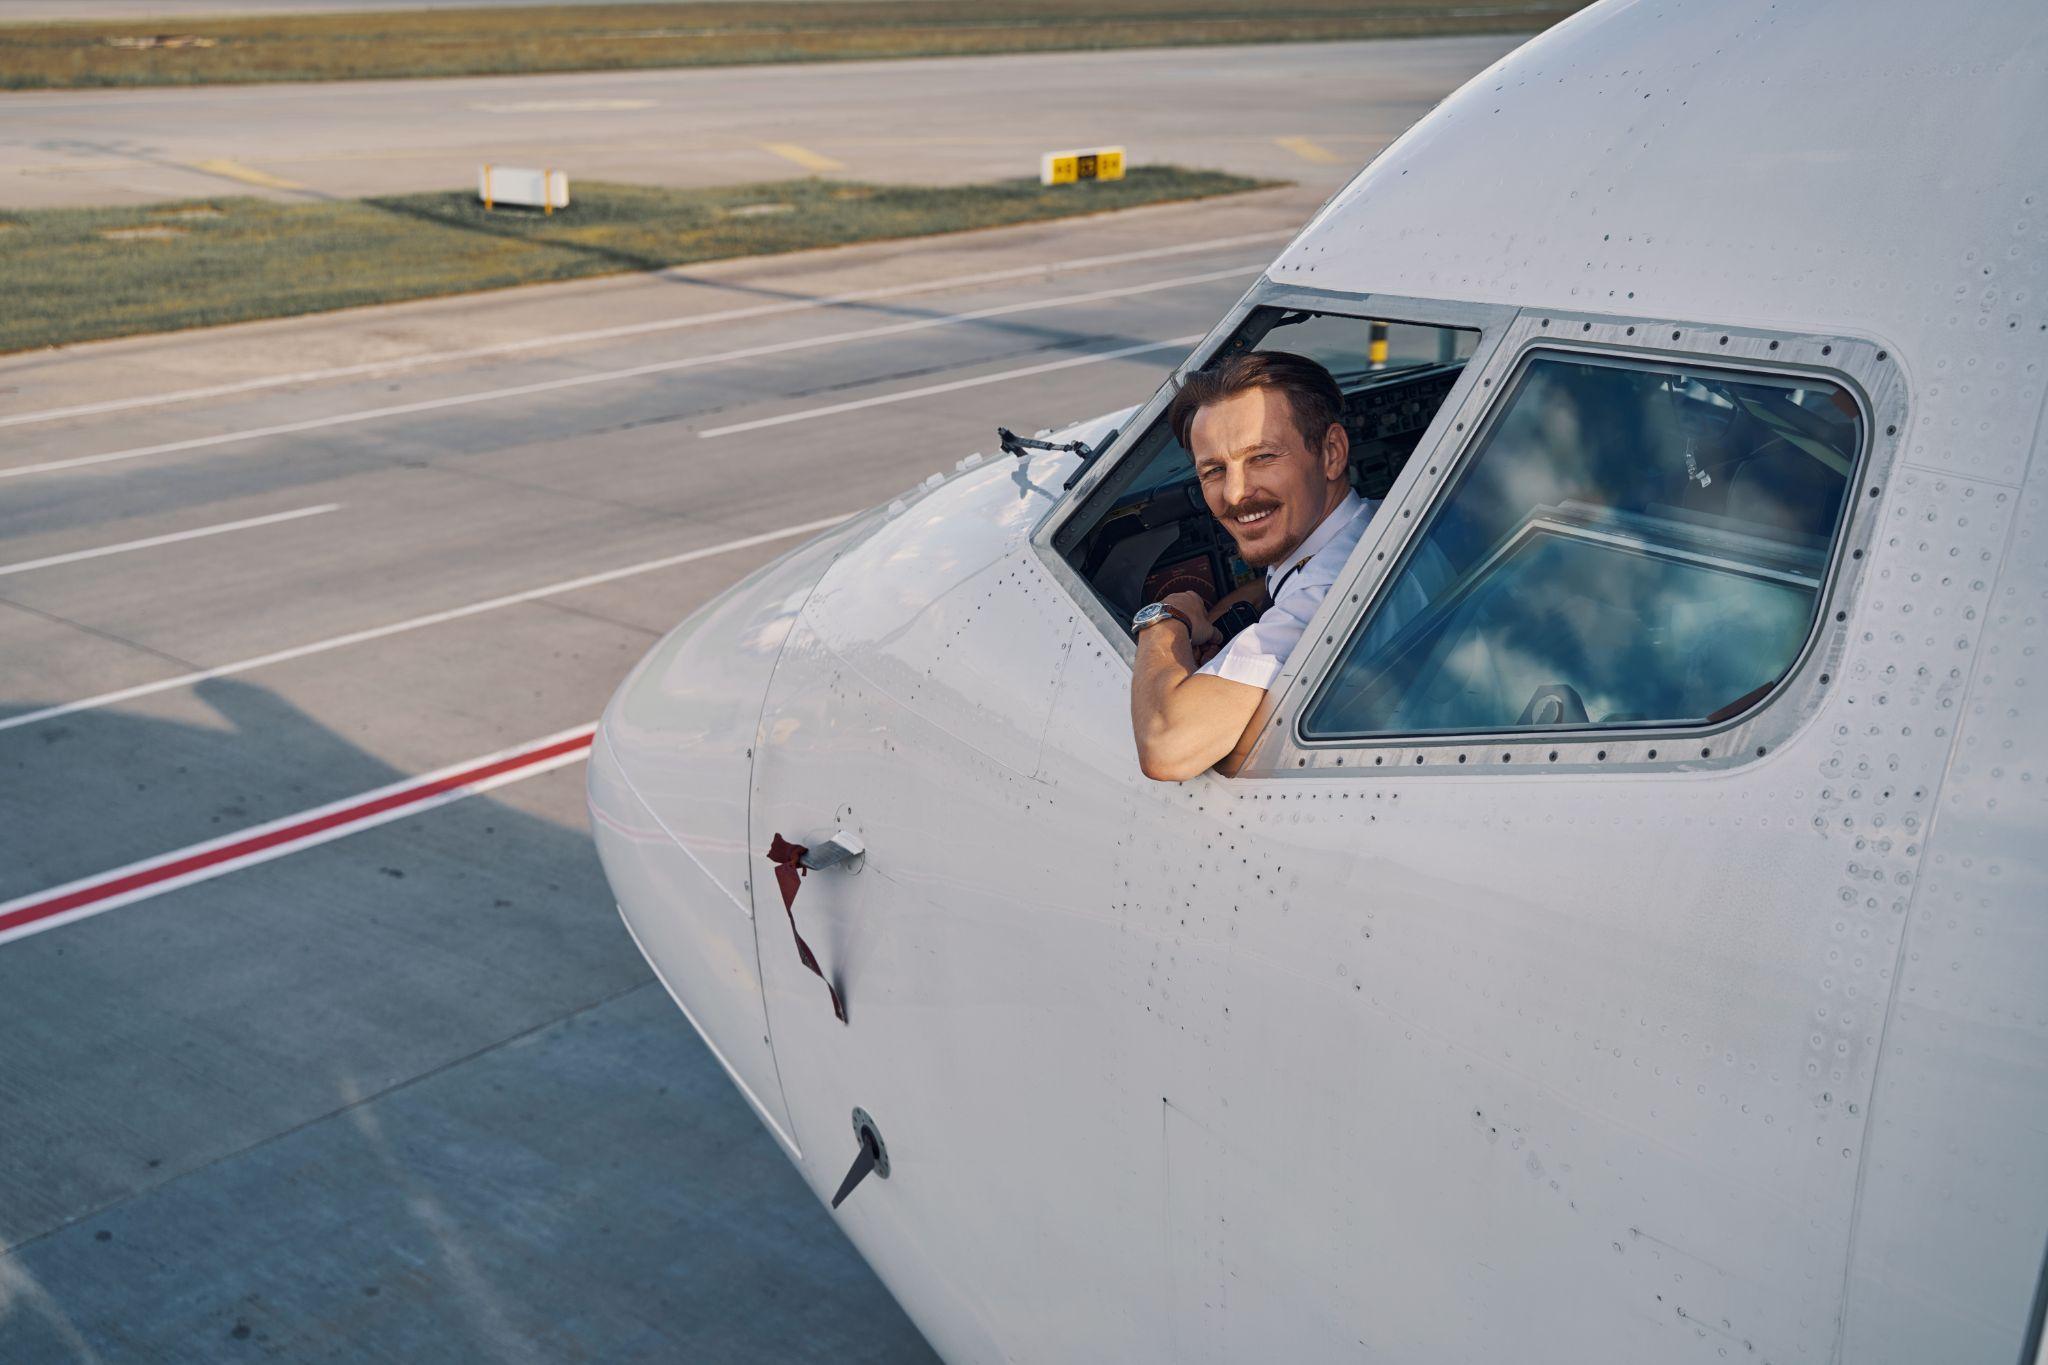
1182	723
1165	661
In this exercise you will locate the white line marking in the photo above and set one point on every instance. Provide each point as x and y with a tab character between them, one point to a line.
593	106
458	400
103	891
72	558
634	329
415	623
929	389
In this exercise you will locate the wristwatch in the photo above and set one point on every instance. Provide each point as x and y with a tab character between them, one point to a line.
1152	613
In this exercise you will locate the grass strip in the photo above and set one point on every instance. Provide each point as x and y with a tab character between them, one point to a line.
471	42
84	274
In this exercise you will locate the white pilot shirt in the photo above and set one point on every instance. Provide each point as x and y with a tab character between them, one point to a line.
1255	655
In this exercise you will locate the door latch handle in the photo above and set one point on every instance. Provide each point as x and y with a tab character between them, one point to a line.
843	849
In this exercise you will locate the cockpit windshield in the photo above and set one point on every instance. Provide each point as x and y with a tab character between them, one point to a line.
1630	544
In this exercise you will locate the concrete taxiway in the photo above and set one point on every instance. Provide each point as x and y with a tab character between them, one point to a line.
404	1090
56	11
1307	112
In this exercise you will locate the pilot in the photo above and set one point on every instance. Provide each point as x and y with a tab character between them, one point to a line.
1272	456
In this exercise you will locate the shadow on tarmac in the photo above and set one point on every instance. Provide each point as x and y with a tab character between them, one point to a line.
410	1095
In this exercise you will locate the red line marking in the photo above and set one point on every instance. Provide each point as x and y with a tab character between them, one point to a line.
284	834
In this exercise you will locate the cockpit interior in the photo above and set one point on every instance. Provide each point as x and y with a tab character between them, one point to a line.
1147	532
1628	541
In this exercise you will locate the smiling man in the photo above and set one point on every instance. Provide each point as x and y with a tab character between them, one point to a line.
1272	455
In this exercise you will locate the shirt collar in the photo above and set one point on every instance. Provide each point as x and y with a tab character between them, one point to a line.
1326	531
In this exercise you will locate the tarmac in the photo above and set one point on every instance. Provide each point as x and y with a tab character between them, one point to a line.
1307	112
410	1094
49	11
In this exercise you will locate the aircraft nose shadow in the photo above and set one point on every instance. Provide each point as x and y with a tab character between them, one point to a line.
411	1091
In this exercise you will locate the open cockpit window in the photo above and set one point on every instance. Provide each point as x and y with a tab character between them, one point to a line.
1629	544
1146	531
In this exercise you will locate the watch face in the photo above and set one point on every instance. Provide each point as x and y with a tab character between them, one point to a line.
1147	615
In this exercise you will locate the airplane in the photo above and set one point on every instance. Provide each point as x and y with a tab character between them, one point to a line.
1633	948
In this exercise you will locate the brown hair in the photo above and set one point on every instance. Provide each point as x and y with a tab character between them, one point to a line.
1311	392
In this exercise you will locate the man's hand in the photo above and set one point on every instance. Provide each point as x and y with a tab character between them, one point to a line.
1191	605
1183	722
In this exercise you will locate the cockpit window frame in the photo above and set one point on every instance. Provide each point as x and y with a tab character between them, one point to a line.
1866	369
1490	322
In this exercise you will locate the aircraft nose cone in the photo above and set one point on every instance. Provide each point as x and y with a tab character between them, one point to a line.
669	783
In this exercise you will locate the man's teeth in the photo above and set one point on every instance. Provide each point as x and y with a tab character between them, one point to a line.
1253	518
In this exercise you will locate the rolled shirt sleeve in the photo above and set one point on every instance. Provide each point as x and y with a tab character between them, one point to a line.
1254	655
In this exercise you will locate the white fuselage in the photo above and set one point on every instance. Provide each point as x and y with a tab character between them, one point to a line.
1672	1046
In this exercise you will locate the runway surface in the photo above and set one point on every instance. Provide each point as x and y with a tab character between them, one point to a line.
47	11
1311	113
309	1060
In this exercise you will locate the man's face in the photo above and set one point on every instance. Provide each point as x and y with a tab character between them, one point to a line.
1260	478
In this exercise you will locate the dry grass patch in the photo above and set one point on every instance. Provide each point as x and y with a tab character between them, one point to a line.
466	42
80	274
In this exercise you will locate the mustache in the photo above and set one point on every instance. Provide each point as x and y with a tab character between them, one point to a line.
1250	506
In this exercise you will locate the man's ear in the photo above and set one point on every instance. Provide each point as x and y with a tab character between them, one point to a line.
1336	451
